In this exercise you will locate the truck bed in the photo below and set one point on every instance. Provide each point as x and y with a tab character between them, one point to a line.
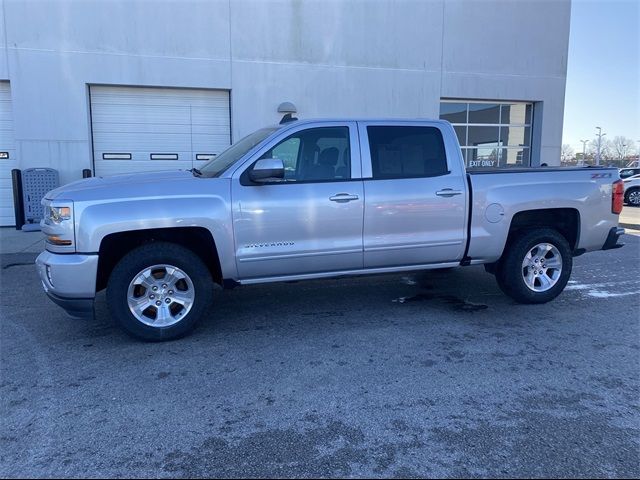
497	195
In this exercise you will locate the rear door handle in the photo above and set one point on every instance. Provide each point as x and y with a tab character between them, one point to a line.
343	197
448	192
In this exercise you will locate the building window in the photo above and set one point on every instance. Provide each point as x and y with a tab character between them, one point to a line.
491	134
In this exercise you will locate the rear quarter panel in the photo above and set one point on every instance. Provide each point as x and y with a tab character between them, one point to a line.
586	190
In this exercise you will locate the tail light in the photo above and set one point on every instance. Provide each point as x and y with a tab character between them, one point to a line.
617	197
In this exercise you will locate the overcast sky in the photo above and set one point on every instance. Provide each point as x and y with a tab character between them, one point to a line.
603	76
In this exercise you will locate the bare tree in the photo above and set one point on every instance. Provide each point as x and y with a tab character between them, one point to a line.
566	153
622	147
606	148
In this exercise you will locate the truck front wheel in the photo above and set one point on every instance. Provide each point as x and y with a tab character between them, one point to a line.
535	266
159	291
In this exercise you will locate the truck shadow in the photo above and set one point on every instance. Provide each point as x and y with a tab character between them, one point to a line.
358	301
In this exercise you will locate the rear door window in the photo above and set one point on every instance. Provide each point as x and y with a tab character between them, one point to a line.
406	152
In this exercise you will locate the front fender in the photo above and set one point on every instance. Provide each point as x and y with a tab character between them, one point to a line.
213	212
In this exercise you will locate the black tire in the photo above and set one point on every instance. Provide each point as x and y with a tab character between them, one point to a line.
509	271
635	201
147	256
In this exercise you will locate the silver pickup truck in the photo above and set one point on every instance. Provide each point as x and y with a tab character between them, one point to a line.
315	199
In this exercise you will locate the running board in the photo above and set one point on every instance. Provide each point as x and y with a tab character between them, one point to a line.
365	271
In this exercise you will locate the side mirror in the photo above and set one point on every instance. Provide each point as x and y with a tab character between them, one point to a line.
267	170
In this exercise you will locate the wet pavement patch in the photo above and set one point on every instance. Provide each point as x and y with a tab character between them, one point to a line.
18	264
9	260
322	450
455	302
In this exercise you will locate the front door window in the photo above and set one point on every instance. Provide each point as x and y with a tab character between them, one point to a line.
315	155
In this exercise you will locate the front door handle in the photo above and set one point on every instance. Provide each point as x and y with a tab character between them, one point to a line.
448	192
343	197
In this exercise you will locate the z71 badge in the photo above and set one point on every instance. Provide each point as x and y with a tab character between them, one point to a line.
600	175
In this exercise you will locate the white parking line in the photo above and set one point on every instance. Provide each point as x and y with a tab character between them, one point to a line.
605	294
573	285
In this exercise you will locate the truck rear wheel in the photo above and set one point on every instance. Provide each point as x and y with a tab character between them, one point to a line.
159	291
535	266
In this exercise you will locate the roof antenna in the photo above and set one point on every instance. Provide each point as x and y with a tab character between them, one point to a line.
288	109
287	118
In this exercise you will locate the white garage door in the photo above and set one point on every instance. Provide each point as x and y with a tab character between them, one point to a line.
8	157
145	129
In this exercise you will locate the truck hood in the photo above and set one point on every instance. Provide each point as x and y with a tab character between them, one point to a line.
164	183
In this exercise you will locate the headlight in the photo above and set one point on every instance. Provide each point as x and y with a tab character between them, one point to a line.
59	214
57	224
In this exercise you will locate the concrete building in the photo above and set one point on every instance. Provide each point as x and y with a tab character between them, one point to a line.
119	86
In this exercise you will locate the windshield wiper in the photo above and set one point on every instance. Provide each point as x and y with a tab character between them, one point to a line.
196	172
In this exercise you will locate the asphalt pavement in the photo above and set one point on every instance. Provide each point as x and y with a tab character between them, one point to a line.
432	374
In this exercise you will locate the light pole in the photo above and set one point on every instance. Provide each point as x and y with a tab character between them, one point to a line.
584	149
600	135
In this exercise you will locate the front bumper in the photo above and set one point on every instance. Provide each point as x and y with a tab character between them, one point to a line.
75	307
69	280
612	239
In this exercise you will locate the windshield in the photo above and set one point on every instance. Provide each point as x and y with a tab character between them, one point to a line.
228	157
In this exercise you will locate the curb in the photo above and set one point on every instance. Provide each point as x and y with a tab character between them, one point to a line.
630	226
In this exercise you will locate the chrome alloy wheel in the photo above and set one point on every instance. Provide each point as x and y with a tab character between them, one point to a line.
161	295
634	198
541	267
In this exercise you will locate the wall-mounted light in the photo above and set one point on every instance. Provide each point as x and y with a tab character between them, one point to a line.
287	107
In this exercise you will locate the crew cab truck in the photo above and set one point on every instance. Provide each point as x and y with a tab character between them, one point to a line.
314	199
